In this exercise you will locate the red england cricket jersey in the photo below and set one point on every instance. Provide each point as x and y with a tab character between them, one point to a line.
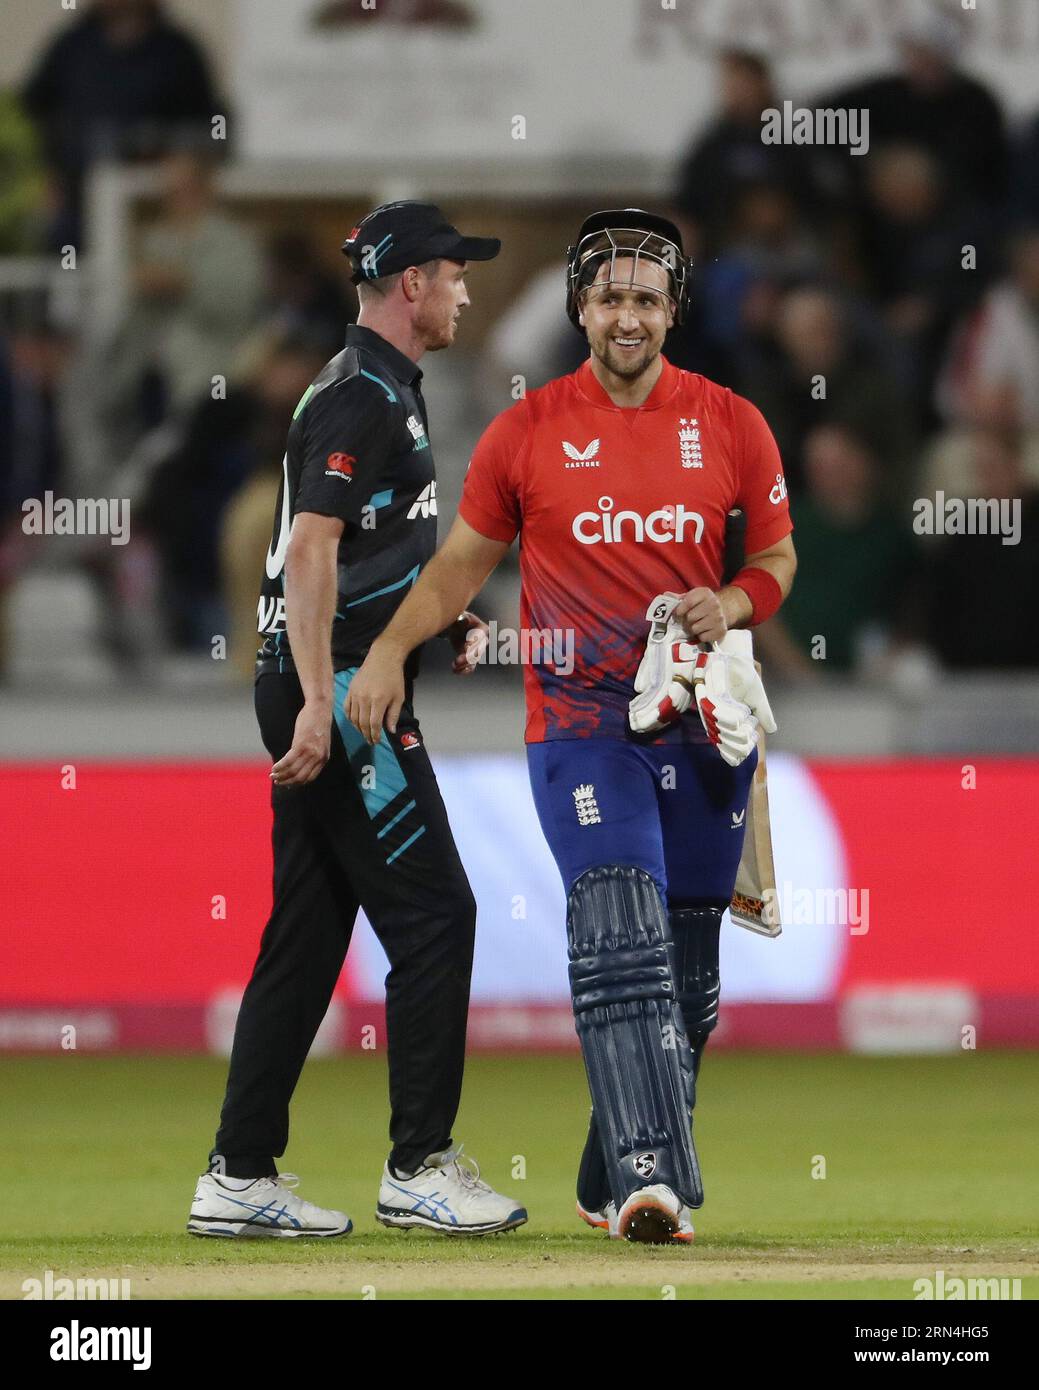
613	506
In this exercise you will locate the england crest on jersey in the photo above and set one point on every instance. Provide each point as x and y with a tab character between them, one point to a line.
689	442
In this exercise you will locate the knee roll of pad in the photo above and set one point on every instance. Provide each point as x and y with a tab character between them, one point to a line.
636	1053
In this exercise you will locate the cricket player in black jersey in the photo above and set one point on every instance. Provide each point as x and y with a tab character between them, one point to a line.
356	826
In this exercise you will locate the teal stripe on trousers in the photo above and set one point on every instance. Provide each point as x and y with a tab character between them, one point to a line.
389	776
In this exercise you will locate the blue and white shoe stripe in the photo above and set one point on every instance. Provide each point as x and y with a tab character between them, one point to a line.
433	1203
264	1211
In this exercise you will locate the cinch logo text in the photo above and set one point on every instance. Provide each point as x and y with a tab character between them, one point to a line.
666	524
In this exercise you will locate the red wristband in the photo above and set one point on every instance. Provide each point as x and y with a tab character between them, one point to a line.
763	591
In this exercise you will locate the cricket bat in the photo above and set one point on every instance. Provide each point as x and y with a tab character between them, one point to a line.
755	903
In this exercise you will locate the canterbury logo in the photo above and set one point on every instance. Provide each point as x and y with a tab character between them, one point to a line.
276	557
425	504
340	465
579	459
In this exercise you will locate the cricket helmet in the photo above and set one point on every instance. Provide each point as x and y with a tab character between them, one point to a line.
626	233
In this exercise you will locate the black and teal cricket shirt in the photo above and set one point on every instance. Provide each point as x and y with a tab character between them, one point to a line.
358	449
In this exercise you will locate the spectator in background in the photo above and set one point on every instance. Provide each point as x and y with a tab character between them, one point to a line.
982	595
33	359
991	375
912	234
695	344
528	341
856	560
770	248
730	155
933	105
119	81
814	351
245	534
301	298
227	444
197	282
1024	176
23	186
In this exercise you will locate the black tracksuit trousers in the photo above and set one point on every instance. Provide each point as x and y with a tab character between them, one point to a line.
370	831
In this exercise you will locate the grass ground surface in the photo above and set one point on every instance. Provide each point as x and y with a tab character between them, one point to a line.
930	1164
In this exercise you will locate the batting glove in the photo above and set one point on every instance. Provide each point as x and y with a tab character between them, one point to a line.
664	680
731	698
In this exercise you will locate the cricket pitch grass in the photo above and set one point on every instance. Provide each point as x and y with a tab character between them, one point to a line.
827	1177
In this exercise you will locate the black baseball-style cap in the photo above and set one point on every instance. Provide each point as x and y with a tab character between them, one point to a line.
397	235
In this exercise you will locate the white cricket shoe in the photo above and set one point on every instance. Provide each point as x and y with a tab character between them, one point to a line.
446	1194
606	1220
267	1207
655	1216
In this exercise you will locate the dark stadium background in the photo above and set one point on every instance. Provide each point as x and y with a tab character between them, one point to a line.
134	789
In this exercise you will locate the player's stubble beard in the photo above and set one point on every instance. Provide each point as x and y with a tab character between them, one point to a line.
436	331
626	368
436	321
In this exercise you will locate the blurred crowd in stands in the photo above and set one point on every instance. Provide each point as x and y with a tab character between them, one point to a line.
882	311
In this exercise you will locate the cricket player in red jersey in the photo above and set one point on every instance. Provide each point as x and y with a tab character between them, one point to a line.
619	479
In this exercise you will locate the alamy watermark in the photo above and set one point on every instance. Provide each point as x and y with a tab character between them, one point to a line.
77	516
817	907
968	516
60	1288
80	1342
800	125
953	1288
508	646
